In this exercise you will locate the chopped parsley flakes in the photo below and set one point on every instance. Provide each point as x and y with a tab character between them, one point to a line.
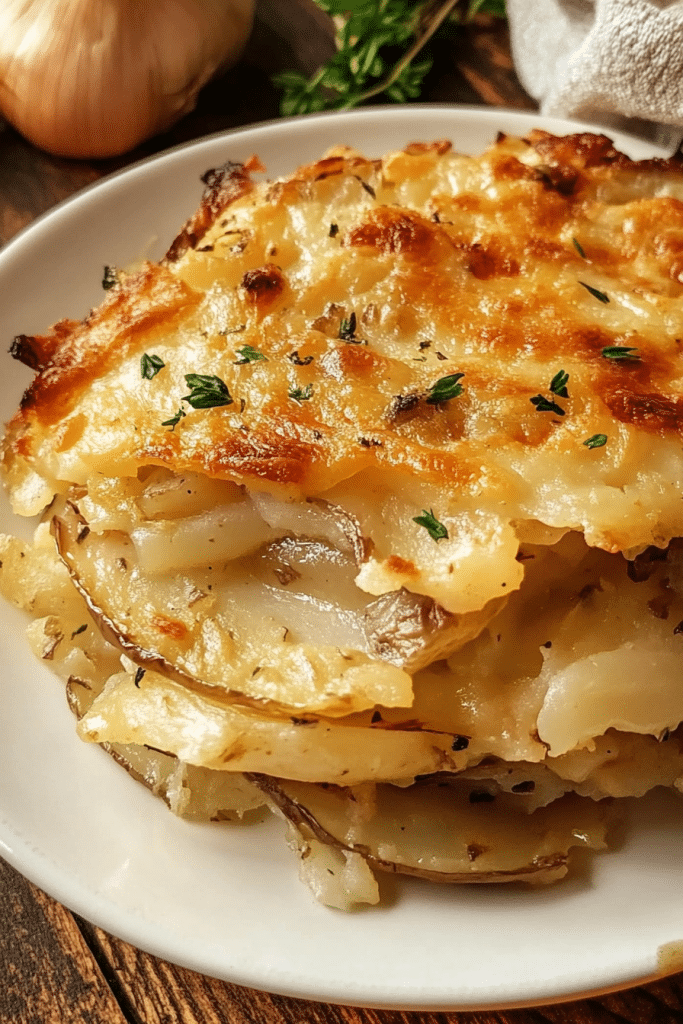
436	530
207	391
596	441
301	394
544	405
600	296
618	352
247	354
445	388
150	365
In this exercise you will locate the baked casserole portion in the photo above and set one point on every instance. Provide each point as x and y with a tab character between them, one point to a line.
366	503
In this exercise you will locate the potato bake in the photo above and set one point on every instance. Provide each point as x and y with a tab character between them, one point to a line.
366	504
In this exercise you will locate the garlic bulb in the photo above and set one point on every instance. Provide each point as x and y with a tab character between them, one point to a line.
93	78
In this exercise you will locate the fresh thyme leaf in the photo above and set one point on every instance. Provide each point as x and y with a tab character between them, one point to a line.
347	328
558	385
301	394
81	629
334	230
445	388
435	529
620	352
247	354
600	296
206	391
295	358
543	405
579	248
150	365
369	35
174	420
596	441
110	277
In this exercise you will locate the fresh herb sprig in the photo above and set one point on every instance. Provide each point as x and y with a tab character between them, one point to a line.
301	394
207	391
544	405
150	365
595	292
557	386
436	530
249	354
619	352
445	388
369	32
596	441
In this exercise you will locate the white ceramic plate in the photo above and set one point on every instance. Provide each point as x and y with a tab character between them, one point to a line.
226	900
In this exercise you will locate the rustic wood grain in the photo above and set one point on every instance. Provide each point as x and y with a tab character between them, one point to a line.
48	974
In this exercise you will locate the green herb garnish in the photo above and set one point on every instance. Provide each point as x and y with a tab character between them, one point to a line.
445	388
620	352
596	441
150	365
347	328
544	405
579	248
207	391
301	394
558	385
600	296
174	420
369	32
435	529
247	354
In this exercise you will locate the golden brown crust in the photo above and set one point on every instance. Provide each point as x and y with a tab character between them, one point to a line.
74	353
362	283
224	185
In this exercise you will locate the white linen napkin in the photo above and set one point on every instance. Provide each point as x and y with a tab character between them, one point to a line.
615	63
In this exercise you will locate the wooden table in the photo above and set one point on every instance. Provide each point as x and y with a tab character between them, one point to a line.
55	967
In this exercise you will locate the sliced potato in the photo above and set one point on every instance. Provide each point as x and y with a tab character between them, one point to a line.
449	832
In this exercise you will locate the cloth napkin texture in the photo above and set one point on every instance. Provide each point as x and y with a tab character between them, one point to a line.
614	63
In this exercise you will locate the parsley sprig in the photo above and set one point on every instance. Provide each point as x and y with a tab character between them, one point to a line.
301	394
369	32
445	388
545	405
150	365
596	441
436	530
619	352
558	386
207	391
595	292
249	354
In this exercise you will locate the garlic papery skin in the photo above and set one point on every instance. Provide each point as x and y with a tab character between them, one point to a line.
94	78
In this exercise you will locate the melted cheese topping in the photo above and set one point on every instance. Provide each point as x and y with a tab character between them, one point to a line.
363	283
